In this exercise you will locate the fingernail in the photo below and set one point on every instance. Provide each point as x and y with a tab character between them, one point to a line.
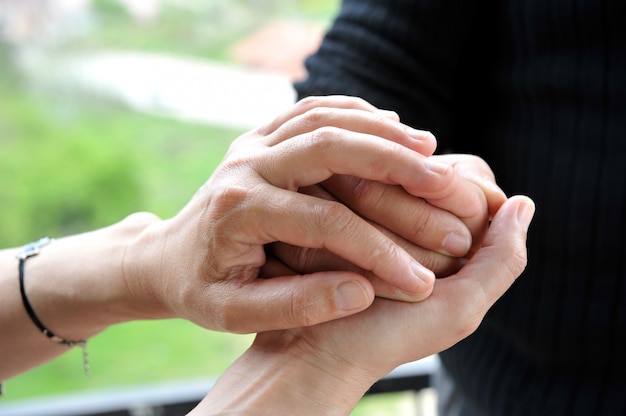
419	134
425	275
350	296
456	244
389	114
437	167
525	212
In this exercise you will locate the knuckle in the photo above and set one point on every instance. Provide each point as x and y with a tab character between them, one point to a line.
323	138
468	324
480	163
309	307
424	221
316	116
305	259
299	259
224	320
386	249
368	193
302	259
309	102
355	102
226	316
469	316
299	314
475	159
237	159
380	121
390	148
334	216
229	198
479	167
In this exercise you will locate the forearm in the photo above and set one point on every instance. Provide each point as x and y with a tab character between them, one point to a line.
76	289
275	382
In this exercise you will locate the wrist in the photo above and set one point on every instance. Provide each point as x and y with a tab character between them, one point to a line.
144	268
287	377
76	286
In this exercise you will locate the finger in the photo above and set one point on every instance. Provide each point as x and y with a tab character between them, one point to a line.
390	114
318	191
401	219
274	267
468	202
292	301
412	218
494	268
356	120
256	136
305	260
313	157
494	195
441	264
308	103
310	222
476	170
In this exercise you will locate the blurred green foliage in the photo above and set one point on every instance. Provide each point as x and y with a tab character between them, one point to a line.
71	164
67	167
60	177
74	163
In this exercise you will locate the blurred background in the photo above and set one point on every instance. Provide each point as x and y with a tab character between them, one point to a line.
108	107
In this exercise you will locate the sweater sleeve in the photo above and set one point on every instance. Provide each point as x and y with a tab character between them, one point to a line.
400	55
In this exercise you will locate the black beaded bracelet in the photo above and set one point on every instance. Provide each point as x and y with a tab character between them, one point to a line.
30	250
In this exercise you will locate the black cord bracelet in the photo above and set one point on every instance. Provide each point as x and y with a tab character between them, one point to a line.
30	250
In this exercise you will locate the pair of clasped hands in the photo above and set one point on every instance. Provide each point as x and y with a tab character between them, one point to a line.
323	232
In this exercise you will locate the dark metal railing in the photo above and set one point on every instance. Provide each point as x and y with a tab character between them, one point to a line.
177	398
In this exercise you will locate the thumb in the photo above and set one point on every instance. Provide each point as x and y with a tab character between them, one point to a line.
502	257
296	301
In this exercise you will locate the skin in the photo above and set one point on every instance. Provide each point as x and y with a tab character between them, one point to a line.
441	229
326	368
415	224
208	263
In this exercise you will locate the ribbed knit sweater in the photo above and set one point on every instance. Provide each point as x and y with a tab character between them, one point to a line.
538	89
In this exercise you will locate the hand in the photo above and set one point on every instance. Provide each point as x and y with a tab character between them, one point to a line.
424	227
434	230
434	222
453	311
325	369
203	264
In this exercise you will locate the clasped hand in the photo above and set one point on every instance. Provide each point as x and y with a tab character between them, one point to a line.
326	368
207	263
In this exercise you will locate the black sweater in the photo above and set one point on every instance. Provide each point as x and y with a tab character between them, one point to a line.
538	89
